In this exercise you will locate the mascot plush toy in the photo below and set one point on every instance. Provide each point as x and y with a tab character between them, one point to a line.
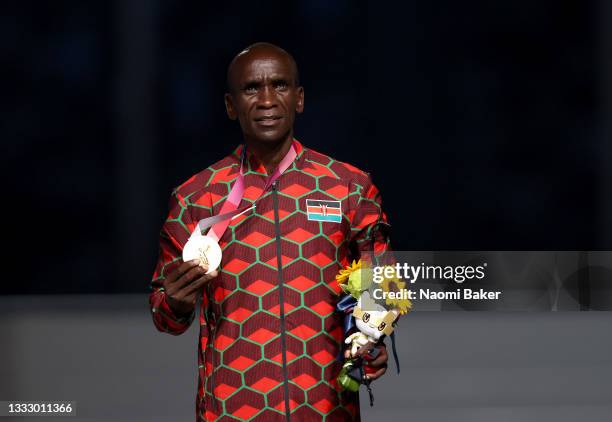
372	320
366	321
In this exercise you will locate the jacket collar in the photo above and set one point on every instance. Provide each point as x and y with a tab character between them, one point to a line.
254	165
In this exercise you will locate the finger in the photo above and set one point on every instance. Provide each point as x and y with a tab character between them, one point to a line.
365	349
347	354
187	278
180	306
191	299
198	284
377	374
182	269
380	360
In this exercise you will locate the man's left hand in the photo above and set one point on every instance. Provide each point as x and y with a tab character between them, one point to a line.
380	363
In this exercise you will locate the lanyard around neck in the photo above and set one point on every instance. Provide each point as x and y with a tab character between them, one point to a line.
218	223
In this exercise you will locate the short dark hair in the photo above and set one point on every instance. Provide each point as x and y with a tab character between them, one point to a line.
259	45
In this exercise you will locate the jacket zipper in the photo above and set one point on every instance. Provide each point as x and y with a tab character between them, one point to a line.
279	259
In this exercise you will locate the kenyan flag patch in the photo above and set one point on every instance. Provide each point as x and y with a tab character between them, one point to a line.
329	211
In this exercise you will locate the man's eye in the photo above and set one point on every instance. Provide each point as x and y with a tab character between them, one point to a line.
281	85
250	89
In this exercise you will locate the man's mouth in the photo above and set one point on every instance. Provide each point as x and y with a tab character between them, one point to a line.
268	120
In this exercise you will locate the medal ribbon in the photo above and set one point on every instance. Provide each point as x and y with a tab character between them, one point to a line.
218	223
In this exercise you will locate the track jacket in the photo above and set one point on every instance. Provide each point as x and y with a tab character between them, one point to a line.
269	333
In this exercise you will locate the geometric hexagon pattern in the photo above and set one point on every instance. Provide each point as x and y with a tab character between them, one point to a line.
269	333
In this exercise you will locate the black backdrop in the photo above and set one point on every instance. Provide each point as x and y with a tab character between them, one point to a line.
484	124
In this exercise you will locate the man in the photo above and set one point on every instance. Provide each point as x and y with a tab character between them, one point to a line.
269	332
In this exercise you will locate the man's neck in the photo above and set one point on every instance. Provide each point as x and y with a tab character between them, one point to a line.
270	154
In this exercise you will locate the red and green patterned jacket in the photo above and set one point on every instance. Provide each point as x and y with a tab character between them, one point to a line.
269	335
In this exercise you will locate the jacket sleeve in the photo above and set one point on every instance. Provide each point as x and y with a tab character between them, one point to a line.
370	228
174	234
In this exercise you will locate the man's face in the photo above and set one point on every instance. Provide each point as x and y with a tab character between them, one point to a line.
264	96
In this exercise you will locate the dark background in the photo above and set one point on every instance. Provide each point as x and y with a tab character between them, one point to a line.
486	125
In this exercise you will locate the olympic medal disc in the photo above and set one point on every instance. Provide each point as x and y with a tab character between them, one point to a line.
204	248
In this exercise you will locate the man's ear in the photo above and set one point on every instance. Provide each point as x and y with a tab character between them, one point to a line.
229	107
299	106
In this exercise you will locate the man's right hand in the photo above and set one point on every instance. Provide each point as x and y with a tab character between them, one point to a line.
183	285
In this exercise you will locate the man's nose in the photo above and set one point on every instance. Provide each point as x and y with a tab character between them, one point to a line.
267	97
